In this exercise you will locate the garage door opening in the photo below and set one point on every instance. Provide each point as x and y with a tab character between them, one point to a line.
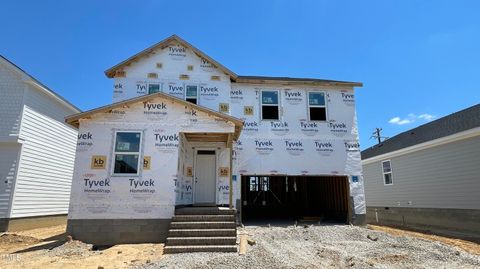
323	198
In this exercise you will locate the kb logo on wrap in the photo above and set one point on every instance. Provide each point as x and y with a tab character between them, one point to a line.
352	146
348	98
293	97
263	146
294	147
324	147
166	142
209	92
250	127
309	128
84	142
177	52
236	96
279	128
338	128
155	111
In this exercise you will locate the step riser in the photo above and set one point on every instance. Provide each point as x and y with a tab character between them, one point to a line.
204	233
200	242
204	211
213	225
168	250
204	218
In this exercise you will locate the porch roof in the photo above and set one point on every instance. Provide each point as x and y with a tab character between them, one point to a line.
74	119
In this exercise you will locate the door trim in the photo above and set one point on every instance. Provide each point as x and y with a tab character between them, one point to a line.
195	175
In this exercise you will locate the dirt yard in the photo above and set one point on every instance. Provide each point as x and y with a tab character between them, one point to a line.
326	246
49	248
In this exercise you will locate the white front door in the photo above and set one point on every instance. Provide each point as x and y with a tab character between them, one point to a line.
205	177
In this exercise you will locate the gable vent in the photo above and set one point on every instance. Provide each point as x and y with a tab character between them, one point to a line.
159	65
184	77
215	78
190	68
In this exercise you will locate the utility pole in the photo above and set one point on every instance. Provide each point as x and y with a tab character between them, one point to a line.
377	134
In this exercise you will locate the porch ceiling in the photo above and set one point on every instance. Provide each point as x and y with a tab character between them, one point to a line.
207	137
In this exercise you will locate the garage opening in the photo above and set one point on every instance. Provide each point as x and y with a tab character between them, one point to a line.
317	198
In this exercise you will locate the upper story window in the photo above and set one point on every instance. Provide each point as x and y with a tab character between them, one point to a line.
127	153
270	105
191	94
153	88
317	110
387	172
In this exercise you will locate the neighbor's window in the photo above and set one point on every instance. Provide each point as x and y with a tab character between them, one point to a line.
191	94
153	88
270	105
127	152
316	106
387	173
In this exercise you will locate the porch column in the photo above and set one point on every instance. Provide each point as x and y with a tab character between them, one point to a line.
230	189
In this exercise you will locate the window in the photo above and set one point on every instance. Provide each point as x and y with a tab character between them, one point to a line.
387	173
317	110
191	94
153	88
270	105
127	152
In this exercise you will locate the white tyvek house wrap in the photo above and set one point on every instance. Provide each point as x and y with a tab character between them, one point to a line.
294	145
291	146
96	193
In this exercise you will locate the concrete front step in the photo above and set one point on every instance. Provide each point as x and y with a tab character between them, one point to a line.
201	232
203	225
186	218
200	241
204	211
212	248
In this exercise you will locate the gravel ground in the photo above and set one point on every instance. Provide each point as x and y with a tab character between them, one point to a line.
329	246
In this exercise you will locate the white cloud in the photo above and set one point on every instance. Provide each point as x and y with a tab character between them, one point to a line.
411	118
427	117
399	121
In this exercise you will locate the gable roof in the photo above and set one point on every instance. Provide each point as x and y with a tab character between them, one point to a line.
74	119
288	80
163	44
454	123
38	84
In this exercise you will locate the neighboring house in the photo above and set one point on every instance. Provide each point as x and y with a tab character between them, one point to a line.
185	130
37	151
428	177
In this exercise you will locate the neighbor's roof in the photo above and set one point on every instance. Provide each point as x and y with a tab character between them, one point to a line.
288	80
39	84
73	119
234	77
454	123
163	44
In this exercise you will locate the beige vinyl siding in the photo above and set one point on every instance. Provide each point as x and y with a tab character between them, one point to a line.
47	158
11	102
444	176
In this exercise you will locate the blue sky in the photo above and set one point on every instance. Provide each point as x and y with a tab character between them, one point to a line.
418	60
